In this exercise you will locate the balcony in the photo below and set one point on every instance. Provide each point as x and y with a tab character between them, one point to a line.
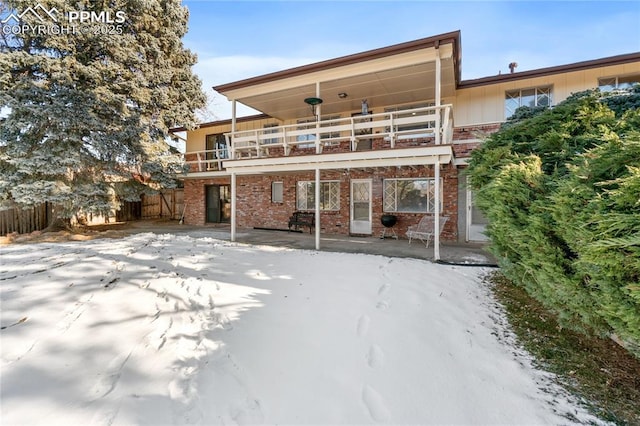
418	127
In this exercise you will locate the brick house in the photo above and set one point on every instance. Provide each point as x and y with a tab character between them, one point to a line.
359	136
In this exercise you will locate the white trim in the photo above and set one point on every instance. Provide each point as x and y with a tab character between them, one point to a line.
360	226
361	159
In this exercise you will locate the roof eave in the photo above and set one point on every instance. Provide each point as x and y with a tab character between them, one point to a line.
434	41
560	69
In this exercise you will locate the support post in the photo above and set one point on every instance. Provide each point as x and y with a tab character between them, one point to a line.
436	213
233	115
317	206
230	140
438	95
318	114
233	206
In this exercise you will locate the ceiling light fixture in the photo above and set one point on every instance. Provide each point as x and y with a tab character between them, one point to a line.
313	103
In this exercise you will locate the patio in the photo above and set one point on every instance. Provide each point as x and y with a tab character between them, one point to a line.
467	254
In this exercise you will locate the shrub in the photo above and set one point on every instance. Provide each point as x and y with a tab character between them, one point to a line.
561	190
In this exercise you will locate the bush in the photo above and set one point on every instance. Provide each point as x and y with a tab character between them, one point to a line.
561	190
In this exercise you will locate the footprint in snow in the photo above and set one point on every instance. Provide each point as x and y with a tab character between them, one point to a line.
375	356
375	404
383	289
363	325
384	305
109	379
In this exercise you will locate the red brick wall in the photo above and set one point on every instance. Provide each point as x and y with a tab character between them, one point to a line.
255	209
471	134
194	199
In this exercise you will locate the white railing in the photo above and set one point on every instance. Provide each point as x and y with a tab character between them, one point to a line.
206	161
430	124
427	122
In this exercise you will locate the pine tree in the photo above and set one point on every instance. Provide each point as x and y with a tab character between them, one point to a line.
87	109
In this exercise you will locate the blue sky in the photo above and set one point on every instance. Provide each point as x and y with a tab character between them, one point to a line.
240	39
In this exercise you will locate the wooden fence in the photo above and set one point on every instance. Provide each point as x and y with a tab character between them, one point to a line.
25	221
164	205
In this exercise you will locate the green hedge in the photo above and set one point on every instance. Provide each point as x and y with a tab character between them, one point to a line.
561	190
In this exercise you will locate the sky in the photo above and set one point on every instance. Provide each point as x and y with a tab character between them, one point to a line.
241	39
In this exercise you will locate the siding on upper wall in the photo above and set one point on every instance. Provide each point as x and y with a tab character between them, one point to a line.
485	104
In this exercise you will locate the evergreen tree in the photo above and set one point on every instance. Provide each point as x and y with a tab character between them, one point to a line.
561	190
87	107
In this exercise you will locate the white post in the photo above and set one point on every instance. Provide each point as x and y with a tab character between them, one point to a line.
230	140
318	113
233	115
436	213
317	209
233	206
438	94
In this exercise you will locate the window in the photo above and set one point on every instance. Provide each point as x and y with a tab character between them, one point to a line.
311	137
404	127
618	83
270	128
330	135
216	148
329	195
276	192
410	195
538	96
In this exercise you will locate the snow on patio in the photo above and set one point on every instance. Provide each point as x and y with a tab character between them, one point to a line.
164	329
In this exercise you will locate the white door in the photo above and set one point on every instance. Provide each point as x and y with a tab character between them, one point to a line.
361	206
476	222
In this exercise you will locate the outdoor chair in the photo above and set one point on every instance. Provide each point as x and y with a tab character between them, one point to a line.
424	230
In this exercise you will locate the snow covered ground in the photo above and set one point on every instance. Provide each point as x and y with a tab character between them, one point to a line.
165	329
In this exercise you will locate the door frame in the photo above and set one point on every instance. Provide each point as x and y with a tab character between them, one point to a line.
474	232
360	227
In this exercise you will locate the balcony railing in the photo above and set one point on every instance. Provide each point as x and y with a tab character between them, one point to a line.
388	130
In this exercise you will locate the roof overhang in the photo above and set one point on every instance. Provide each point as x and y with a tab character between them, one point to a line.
560	69
439	154
398	74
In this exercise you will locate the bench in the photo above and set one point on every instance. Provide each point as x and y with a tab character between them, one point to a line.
424	230
299	219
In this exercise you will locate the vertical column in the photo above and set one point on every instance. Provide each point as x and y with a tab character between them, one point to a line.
233	129
438	94
318	114
233	206
317	209
436	212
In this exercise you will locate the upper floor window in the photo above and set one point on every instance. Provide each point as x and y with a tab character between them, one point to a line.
326	121
537	96
310	136
216	146
270	128
410	113
609	84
